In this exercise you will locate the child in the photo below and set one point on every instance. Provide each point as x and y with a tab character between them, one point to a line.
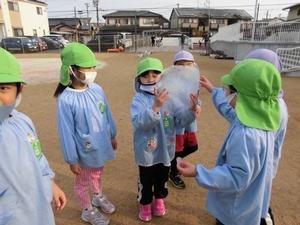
27	185
154	137
86	128
186	139
240	184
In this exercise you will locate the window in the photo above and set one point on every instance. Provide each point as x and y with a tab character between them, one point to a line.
111	21
44	32
34	32
13	6
18	32
149	21
298	12
39	10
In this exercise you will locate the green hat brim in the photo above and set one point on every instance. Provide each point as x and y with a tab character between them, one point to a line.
8	78
226	80
88	64
258	113
148	69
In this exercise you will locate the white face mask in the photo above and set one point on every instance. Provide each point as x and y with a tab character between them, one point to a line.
18	100
89	76
148	88
231	97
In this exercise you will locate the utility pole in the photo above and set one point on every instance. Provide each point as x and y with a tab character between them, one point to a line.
87	14
96	5
254	21
75	20
135	32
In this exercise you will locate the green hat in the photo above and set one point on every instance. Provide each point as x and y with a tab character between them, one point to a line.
75	54
149	64
10	69
258	84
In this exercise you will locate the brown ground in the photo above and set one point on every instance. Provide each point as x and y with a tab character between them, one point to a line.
184	207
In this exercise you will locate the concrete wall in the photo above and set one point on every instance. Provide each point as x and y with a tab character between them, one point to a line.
239	50
6	27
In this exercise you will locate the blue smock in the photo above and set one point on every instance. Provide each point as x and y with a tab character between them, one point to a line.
154	133
25	175
86	126
240	183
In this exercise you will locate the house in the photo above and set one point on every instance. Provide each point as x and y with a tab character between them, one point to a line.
294	13
75	29
195	21
23	18
131	21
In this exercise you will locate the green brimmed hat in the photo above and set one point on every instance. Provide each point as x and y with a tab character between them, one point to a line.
10	69
258	84
75	54
149	64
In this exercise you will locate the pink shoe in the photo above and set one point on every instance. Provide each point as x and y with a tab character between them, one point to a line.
158	207
145	212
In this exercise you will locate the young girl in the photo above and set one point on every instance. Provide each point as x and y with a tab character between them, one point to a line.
154	137
86	128
186	138
240	184
27	186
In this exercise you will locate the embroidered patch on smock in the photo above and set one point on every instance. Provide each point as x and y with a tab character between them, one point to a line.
36	145
152	144
166	119
102	107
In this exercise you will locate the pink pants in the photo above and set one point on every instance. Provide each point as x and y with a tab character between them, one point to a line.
89	177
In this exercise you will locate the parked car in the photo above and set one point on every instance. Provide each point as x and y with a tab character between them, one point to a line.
42	44
59	38
19	44
107	40
51	43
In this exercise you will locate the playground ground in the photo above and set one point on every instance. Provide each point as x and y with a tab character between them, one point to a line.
184	207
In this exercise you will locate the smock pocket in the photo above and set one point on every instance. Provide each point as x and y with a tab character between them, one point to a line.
87	143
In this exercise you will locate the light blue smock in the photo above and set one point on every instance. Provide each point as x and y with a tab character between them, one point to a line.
154	133
25	176
240	184
86	126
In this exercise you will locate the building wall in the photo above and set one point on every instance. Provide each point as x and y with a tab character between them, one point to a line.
31	20
293	13
6	25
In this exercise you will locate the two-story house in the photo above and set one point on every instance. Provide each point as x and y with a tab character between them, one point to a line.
194	21
23	17
294	12
131	21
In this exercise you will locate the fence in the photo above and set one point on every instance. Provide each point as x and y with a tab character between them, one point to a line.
268	32
290	58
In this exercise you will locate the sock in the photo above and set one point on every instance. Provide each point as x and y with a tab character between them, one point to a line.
89	208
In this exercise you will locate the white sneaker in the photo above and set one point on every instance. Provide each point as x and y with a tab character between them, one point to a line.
94	217
105	205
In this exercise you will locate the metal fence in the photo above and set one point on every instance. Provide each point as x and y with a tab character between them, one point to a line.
268	32
290	58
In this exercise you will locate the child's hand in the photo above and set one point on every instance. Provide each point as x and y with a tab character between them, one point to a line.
187	169
75	168
59	198
160	99
193	102
204	82
114	143
198	110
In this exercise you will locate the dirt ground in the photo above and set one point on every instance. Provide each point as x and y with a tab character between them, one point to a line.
184	207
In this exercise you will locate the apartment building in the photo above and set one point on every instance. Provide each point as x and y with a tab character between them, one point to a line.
23	18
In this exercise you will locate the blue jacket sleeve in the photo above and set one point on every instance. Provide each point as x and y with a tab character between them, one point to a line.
238	170
111	121
280	135
66	130
221	104
143	117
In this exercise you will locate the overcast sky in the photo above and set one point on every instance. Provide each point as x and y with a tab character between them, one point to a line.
65	8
